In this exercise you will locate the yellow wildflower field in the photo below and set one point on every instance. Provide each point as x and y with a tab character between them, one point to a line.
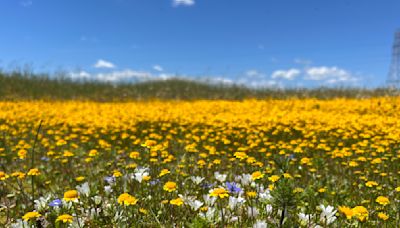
251	163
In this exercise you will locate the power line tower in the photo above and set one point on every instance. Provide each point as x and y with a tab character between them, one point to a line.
394	71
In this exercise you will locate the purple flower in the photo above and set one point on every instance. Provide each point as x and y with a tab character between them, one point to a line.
206	185
232	187
109	180
55	203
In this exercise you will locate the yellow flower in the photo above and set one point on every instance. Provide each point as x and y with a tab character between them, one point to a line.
382	200
71	195
65	218
31	215
348	212
322	190
3	175
353	164
33	172
273	178
170	186
376	161
251	194
397	189
298	190
68	154
371	184
361	213
219	192
177	202
127	199
143	211
164	172
146	178
80	178
134	155
257	175
149	143
93	153
240	155
117	173
383	216
287	176
22	153
305	161
19	175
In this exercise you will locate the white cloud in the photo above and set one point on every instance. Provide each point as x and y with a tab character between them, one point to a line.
103	64
124	75
158	68
286	74
80	75
217	80
330	74
183	2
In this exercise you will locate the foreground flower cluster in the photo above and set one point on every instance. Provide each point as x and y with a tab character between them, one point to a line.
287	163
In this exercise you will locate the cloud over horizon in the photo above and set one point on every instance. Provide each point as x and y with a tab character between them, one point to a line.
104	64
329	74
285	74
326	75
183	3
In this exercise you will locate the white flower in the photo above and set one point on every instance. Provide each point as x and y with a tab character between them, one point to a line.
268	208
140	173
195	204
260	224
244	179
234	219
108	189
328	214
20	223
305	219
197	180
209	200
220	177
94	212
234	202
252	212
83	189
264	195
97	200
42	202
209	215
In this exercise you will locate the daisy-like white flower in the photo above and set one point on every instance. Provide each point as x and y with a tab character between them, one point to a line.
220	177
327	214
235	202
83	189
140	174
260	224
196	179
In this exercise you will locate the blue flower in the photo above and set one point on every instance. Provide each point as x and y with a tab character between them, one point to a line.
55	203
231	186
206	185
154	182
109	180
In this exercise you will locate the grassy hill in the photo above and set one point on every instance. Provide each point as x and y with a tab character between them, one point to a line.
27	86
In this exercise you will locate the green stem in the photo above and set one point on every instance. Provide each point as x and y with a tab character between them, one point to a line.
33	163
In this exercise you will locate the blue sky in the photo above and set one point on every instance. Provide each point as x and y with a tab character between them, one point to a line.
253	42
